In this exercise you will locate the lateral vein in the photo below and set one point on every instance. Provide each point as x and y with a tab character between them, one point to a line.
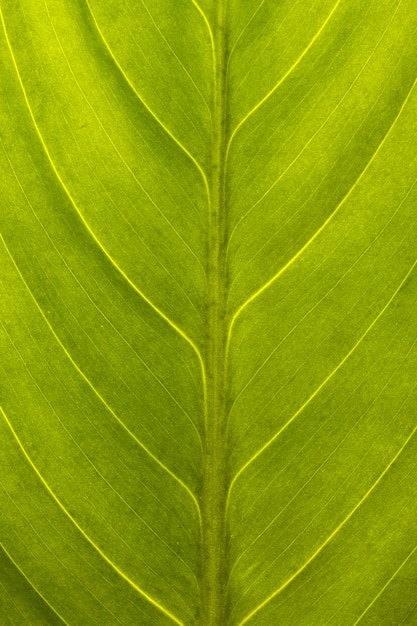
178	60
325	223
143	101
283	78
83	533
389	581
294	161
85	223
117	151
325	381
97	393
334	533
210	32
32	586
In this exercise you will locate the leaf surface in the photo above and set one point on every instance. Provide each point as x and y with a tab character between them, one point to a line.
208	321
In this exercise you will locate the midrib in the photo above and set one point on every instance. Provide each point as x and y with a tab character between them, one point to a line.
214	556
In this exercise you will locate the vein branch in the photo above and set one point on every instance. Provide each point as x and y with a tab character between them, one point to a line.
143	101
326	223
97	393
82	531
325	381
285	76
83	220
335	531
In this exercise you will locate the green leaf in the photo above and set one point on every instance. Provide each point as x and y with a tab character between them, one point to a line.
208	320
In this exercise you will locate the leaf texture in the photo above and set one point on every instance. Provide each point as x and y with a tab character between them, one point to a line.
208	321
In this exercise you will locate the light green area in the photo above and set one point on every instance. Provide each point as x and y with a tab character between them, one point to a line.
208	313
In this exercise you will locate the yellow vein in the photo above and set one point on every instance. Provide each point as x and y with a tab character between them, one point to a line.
323	463
99	244
241	35
334	533
275	30
341	485
178	60
101	312
29	495
386	585
127	166
325	223
283	78
32	585
141	99
253	504
179	103
324	383
83	533
102	477
326	295
5	593
210	32
294	161
96	392
332	415
149	369
150	250
398	515
65	566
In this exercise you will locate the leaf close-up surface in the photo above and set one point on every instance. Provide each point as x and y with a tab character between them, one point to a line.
208	312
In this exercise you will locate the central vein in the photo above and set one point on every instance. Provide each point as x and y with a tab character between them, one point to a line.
214	556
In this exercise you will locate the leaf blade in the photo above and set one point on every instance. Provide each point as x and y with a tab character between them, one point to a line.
208	246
